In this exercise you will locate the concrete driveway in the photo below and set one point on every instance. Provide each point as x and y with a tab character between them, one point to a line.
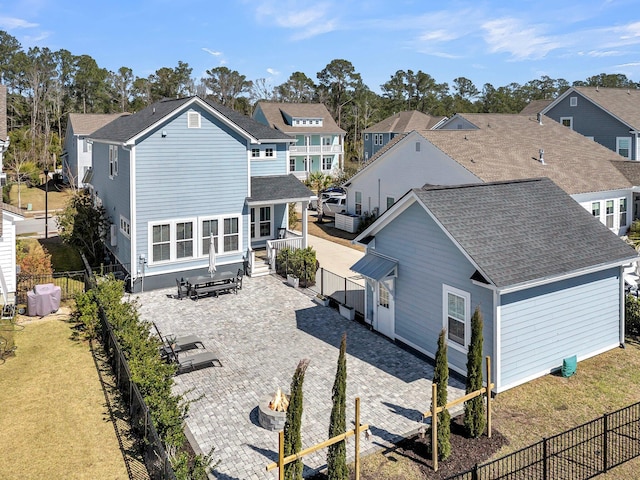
260	334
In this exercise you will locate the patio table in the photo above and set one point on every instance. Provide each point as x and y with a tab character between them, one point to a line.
205	284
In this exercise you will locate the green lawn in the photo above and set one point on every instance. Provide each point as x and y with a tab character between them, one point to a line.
54	420
64	258
36	197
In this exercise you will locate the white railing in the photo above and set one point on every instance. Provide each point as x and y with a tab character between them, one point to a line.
294	243
316	149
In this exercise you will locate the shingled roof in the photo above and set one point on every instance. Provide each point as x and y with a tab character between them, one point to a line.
270	188
87	123
535	106
522	231
126	128
507	147
274	114
404	122
621	102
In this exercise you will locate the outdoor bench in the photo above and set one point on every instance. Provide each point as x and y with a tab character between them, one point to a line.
201	291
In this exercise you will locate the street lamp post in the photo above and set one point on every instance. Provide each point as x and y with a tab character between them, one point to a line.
46	202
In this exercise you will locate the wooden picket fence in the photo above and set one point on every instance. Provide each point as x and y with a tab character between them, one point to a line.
435	409
282	460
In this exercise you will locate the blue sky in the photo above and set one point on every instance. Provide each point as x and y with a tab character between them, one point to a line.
495	42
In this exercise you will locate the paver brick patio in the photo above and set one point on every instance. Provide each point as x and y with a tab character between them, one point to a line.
261	334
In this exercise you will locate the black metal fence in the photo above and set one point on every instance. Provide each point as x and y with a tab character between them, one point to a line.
70	283
341	289
577	454
155	456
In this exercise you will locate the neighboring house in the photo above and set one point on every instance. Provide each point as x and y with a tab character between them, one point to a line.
76	153
10	215
470	148
377	136
610	116
4	135
547	277
319	143
534	107
182	172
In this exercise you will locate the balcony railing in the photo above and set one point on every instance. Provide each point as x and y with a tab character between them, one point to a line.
316	149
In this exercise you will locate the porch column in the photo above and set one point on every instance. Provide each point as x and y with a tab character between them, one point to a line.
304	223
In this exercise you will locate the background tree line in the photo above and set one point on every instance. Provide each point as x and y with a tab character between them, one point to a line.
44	86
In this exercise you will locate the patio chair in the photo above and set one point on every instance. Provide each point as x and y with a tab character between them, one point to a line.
183	288
239	279
194	362
179	344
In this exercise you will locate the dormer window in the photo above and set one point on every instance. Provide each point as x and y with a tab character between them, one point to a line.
255	152
263	152
193	120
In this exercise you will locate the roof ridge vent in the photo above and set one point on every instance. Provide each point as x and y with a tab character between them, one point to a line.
541	152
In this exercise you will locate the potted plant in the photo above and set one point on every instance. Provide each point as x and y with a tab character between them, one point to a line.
347	312
293	280
321	300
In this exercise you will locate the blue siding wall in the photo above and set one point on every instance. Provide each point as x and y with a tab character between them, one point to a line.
273	166
114	193
541	326
192	172
427	260
591	121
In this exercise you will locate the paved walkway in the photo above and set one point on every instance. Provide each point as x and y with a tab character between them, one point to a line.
335	257
261	333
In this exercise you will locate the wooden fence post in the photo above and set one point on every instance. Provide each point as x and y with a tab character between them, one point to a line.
281	455
434	426
357	462
488	396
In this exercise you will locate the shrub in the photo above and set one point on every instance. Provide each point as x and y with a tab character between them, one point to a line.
441	378
293	423
365	220
300	263
337	453
33	258
474	419
632	315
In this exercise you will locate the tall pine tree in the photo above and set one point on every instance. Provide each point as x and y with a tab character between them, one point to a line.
337	453
293	423
474	419
441	379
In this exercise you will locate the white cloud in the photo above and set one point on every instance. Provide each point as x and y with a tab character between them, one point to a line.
630	64
522	42
602	53
304	20
273	72
212	52
438	36
11	23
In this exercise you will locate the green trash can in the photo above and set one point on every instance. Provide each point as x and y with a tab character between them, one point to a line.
29	207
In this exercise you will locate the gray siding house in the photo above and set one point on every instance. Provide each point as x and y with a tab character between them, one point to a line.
610	116
183	172
544	292
76	153
376	136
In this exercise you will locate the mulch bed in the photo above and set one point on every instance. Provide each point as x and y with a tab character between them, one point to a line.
465	453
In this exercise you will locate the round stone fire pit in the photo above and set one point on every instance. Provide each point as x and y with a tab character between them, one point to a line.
270	419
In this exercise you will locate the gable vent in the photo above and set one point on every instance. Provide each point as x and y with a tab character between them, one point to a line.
193	120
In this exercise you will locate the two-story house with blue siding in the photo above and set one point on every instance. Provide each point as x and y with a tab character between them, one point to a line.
183	172
609	116
377	136
76	152
546	276
319	145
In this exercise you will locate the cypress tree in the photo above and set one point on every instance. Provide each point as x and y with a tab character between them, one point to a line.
441	379
474	419
337	453
293	423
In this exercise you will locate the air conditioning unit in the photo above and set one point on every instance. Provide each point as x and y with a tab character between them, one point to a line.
114	235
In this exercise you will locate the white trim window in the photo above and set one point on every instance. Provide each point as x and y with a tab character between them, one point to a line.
366	137
113	161
456	316
327	163
573	101
609	213
263	152
358	203
184	239
231	234
567	122
623	212
125	226
595	209
262	224
209	229
390	202
292	164
193	120
623	146
160	243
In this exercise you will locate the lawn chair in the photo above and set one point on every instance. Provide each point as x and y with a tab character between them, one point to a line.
179	344
194	362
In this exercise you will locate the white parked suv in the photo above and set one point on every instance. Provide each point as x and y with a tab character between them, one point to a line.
333	205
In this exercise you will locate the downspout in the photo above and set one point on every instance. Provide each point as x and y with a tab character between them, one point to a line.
496	341
622	306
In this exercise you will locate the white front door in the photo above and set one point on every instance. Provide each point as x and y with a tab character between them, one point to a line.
261	223
385	320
